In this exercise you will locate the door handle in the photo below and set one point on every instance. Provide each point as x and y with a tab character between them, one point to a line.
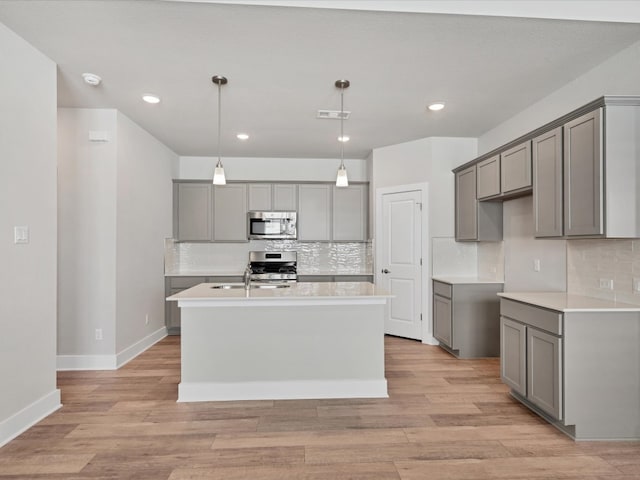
384	270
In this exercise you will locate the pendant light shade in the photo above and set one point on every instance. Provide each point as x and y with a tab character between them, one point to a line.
218	174
342	179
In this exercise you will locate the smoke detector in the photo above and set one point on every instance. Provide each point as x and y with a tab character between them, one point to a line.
333	114
92	79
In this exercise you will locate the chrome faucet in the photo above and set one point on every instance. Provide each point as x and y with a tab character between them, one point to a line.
247	277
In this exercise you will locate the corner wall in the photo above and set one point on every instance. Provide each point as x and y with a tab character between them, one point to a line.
27	198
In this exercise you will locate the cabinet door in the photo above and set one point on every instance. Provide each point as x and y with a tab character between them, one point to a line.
544	371
515	168
173	321
260	196
489	177
350	213
314	212
547	184
466	209
230	213
442	320
513	355
285	197
192	216
583	199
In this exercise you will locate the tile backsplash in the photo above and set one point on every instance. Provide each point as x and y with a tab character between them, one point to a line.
319	258
589	261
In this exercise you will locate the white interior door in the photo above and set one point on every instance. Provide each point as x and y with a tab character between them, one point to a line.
399	268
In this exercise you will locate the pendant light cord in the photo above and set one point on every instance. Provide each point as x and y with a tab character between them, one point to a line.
342	126
219	126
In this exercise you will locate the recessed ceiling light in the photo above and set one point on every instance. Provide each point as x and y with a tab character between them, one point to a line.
92	79
242	136
151	98
434	107
345	138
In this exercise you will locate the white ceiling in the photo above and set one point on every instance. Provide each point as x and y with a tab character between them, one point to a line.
282	63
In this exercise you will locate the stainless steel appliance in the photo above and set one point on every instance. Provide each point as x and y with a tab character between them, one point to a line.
273	266
276	225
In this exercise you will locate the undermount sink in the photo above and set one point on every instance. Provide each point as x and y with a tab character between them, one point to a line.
228	286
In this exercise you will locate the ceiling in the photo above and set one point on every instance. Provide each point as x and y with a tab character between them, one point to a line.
282	63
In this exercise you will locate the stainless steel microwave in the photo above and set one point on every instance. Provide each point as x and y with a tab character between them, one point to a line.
272	225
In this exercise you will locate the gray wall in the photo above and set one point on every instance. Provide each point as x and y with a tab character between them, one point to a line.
27	197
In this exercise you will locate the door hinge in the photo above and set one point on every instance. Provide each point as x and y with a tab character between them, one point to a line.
419	205
420	317
421	262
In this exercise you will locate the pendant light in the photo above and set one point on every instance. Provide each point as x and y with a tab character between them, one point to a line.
341	178
218	173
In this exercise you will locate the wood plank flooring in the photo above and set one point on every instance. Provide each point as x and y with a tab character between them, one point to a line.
445	419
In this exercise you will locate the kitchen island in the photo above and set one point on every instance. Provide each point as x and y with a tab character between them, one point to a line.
305	340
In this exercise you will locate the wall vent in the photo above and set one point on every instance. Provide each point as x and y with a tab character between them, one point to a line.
333	114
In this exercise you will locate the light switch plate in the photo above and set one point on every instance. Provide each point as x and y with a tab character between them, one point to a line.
21	234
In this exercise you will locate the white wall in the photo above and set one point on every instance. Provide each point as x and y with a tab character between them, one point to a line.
114	215
619	75
144	220
27	198
273	169
87	232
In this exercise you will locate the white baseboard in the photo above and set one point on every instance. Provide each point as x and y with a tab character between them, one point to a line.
29	416
281	390
109	362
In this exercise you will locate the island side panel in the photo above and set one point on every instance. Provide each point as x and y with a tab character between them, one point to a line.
264	352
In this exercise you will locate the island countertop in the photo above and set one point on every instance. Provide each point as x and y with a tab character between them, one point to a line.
205	294
566	302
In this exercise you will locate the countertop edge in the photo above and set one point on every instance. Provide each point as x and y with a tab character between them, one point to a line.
568	303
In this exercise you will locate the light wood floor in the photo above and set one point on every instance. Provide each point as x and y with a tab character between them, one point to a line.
445	419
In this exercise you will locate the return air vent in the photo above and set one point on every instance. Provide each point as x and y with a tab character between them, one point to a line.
333	114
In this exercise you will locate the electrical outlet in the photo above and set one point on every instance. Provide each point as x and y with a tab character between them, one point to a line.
98	334
606	283
636	285
536	265
146	319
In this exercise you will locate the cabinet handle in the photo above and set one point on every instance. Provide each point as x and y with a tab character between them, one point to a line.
384	270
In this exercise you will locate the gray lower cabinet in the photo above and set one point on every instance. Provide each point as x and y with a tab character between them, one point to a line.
175	285
466	318
576	368
474	220
230	213
192	212
547	184
531	355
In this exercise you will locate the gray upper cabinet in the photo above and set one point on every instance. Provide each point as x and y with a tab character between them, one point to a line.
515	169
314	212
474	220
350	213
583	162
260	196
285	197
547	181
488	172
192	212
230	213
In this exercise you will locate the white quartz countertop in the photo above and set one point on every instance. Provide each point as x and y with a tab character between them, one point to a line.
565	302
459	279
295	291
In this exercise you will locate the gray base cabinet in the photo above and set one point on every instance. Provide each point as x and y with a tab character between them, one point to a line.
577	369
173	285
466	318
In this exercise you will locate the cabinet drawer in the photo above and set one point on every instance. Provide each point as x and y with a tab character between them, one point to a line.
186	282
538	317
442	289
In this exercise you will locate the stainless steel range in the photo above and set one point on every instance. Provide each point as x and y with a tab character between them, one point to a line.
273	266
